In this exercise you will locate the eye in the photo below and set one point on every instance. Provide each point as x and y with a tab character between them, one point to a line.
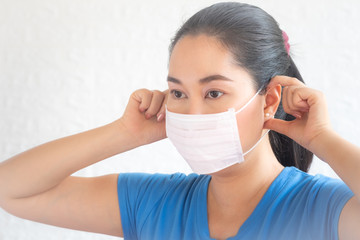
177	94
214	94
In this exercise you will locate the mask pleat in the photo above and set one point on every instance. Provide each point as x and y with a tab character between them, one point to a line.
208	142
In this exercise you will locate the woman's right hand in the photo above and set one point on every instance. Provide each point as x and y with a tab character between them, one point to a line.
144	116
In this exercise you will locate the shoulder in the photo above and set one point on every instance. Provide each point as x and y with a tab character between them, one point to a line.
138	186
305	206
306	195
146	180
314	185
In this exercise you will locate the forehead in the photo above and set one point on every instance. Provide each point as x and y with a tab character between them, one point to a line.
195	57
201	52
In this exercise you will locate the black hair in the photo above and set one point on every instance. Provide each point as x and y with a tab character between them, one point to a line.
256	43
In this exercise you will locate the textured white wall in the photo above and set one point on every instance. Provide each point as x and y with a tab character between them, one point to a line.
69	66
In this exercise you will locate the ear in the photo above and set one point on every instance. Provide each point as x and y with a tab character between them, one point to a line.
272	101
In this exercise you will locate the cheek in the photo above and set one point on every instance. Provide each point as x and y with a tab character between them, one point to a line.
174	105
250	125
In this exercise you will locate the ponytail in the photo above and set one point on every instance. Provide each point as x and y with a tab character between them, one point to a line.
286	150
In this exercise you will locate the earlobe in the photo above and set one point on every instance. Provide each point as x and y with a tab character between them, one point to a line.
268	115
272	101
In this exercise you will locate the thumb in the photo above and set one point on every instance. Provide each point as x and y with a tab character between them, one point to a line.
278	125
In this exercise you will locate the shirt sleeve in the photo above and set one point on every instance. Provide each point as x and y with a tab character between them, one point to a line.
329	198
138	193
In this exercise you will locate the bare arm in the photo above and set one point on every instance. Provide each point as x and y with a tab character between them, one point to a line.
45	166
37	185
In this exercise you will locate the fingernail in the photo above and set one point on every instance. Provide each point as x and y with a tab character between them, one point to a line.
160	117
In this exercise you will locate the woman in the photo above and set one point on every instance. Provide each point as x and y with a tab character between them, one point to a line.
230	81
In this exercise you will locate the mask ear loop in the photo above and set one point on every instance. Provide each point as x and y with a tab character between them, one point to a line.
251	99
267	131
264	133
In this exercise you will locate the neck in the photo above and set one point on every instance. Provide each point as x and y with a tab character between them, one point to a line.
245	183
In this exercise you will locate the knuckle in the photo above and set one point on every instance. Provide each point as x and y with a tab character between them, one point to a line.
157	93
295	80
140	92
297	89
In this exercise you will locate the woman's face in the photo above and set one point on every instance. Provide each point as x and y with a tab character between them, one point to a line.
203	78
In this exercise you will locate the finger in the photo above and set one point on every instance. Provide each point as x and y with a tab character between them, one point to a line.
285	81
300	103
299	99
309	96
286	103
291	107
156	103
143	96
293	103
161	114
278	125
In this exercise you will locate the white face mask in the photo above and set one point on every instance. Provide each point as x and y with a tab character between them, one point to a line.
208	142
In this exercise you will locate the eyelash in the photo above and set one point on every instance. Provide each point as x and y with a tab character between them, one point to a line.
173	92
221	93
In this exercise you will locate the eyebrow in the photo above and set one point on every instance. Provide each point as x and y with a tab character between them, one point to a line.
202	80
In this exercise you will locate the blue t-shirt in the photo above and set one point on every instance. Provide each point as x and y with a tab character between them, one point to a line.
296	206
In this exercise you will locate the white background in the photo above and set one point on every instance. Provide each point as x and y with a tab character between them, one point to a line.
69	66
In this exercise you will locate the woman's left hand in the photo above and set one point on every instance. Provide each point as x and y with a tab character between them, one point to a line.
309	108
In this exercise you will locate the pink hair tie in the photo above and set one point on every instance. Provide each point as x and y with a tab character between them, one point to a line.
286	42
